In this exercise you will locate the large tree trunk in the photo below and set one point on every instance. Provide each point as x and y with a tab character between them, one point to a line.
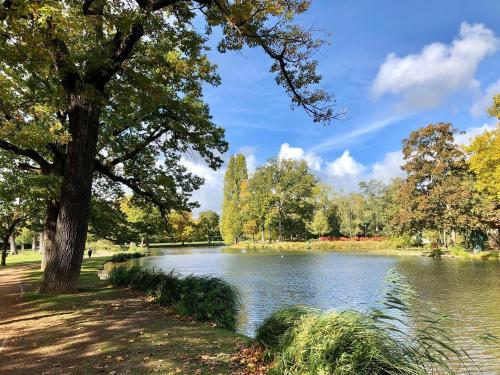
62	267
33	242
12	241
49	230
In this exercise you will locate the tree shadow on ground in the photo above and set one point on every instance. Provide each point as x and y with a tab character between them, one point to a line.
105	330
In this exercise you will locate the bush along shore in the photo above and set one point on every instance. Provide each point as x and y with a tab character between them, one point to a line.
122	257
393	245
205	299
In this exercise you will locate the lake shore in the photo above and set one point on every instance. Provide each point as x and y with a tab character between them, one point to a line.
382	248
102	330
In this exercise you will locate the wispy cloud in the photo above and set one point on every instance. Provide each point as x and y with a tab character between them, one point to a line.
342	140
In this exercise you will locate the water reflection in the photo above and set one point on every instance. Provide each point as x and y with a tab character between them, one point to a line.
469	292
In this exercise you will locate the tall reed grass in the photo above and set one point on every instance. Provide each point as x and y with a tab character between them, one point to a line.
397	338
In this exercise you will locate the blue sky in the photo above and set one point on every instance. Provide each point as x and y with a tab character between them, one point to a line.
395	66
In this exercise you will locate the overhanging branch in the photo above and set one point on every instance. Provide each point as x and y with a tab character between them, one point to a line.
31	154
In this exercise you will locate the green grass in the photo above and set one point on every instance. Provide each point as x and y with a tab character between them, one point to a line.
206	299
24	257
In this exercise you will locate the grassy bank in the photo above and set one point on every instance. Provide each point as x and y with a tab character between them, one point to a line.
105	330
385	247
186	244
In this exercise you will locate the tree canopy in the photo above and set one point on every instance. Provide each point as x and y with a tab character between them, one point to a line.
109	93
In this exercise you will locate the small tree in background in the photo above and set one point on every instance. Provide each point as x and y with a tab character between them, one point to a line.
319	224
208	225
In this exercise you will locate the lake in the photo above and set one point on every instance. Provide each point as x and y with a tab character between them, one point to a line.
466	291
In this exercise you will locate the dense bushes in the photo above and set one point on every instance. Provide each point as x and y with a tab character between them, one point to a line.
202	298
121	257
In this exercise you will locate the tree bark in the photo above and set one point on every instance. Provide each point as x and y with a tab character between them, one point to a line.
49	232
5	246
41	247
12	241
62	266
33	242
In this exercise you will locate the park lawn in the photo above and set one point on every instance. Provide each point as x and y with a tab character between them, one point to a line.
104	330
24	257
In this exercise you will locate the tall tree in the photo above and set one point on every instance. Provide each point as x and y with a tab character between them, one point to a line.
374	194
235	179
70	70
437	194
291	193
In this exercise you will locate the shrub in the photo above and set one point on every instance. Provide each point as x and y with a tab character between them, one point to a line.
203	298
270	334
121	257
209	299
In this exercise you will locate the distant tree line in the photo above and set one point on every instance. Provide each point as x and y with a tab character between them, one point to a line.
450	194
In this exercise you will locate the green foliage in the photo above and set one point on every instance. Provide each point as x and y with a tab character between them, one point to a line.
438	191
209	299
319	224
207	226
121	257
484	161
232	219
280	198
271	333
202	298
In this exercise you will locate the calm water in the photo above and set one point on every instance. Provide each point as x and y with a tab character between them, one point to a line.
467	292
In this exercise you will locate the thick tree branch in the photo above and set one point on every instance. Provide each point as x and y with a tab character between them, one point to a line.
150	196
119	50
31	154
61	56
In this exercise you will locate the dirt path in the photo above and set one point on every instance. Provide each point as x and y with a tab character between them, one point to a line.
103	331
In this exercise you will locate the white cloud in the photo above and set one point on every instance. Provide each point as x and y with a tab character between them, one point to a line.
249	153
345	165
470	133
389	167
425	79
210	194
313	160
485	99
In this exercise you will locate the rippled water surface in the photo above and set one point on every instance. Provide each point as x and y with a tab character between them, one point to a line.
467	291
